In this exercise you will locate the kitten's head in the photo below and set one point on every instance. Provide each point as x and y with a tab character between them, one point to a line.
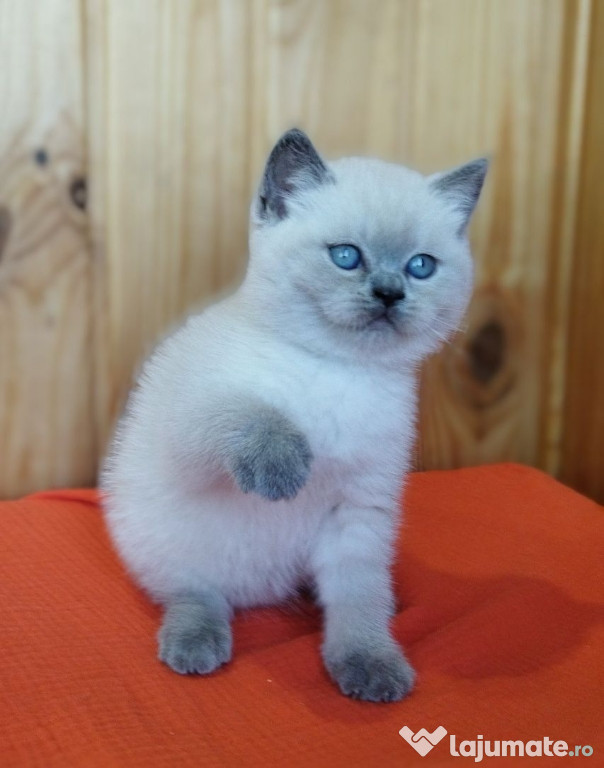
362	253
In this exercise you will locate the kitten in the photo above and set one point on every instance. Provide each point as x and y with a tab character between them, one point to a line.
267	441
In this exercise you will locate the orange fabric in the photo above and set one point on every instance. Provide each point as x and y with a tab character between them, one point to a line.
502	581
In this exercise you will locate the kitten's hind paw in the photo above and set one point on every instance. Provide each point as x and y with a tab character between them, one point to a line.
371	675
272	460
191	642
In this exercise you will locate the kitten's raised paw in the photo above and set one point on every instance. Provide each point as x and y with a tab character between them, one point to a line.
372	675
274	461
195	647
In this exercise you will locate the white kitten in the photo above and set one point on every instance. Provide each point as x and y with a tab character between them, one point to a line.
266	444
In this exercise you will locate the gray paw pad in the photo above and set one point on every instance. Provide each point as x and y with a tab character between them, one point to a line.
276	465
373	676
195	649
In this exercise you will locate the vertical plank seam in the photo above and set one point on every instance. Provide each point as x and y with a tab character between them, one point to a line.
89	241
568	206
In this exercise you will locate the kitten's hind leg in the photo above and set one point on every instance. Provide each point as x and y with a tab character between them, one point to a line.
195	636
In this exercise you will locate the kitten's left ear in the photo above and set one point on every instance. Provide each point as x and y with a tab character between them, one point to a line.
462	185
292	165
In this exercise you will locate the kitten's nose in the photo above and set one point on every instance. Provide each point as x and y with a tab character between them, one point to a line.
388	295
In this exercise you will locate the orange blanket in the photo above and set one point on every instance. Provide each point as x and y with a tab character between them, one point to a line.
501	585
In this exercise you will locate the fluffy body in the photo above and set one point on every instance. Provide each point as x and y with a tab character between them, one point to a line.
267	441
177	516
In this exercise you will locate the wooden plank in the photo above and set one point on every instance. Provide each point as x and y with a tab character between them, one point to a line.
46	426
582	464
169	153
573	78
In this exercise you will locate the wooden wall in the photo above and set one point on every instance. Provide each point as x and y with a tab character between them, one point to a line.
133	134
47	421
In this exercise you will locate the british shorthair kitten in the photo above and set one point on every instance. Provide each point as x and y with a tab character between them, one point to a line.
267	441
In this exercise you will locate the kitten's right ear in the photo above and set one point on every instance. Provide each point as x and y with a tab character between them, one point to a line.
292	165
462	186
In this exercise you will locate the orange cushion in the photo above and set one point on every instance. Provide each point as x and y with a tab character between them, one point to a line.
501	582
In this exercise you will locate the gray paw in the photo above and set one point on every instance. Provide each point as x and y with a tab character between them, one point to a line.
372	675
273	461
196	647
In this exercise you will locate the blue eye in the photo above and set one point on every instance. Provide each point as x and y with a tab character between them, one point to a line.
421	266
345	256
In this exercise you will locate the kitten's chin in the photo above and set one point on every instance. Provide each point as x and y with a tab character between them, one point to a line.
382	325
395	331
387	323
382	322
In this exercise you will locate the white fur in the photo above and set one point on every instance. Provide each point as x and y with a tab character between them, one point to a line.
288	337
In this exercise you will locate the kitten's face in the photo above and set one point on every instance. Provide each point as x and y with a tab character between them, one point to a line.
369	252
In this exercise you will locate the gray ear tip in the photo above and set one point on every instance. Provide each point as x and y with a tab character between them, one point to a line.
294	131
480	166
473	173
294	137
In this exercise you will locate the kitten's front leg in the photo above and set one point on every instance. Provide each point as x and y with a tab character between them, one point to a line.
351	568
265	453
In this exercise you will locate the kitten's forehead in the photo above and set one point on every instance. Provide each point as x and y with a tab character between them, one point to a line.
383	200
364	170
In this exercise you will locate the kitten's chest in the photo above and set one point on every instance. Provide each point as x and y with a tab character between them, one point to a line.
352	415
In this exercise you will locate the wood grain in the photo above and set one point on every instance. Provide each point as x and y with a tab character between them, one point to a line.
562	233
582	455
46	420
133	137
169	154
